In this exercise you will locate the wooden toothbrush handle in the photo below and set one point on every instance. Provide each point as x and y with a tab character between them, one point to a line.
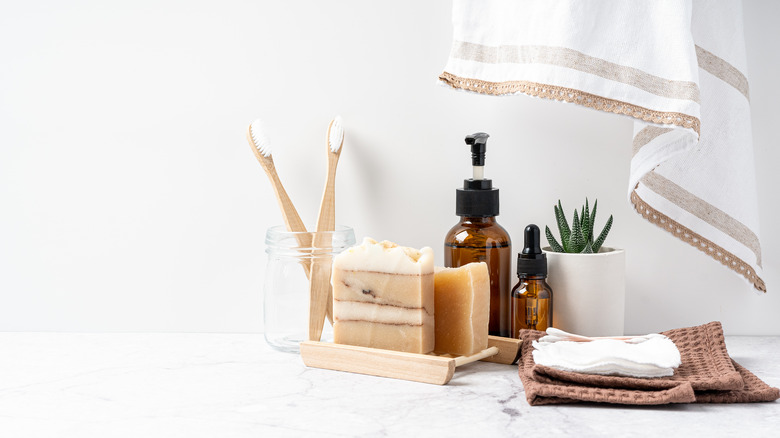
319	286
320	289
290	216
326	221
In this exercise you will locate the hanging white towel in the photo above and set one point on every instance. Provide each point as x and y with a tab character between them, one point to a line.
652	355
677	68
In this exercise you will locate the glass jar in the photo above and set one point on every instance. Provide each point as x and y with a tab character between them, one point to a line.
286	284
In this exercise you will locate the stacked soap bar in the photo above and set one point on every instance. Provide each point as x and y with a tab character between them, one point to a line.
383	297
462	301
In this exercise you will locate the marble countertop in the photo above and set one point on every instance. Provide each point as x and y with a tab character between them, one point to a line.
234	385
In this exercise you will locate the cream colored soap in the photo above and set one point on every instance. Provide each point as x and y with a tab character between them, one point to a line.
383	297
462	301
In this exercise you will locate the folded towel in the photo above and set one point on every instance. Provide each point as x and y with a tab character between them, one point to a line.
707	375
652	355
677	68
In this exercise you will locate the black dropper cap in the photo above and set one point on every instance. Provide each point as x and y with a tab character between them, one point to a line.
477	198
531	261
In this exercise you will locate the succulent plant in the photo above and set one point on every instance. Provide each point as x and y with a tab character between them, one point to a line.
579	237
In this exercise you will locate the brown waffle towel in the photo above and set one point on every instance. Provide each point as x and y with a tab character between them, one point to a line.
707	375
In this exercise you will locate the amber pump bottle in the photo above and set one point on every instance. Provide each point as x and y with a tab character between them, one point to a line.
479	238
532	297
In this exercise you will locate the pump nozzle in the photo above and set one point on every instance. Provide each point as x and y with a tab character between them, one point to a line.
478	198
478	143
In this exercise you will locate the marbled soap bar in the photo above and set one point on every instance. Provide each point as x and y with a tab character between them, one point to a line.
462	301
383	297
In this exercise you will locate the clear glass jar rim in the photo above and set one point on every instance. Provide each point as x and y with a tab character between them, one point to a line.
281	231
277	238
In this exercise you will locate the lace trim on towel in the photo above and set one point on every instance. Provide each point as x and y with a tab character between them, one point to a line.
572	96
726	258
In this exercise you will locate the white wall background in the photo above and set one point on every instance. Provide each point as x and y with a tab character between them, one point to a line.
130	201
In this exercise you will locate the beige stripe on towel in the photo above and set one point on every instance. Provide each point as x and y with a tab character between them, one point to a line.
704	211
723	70
569	58
697	241
646	135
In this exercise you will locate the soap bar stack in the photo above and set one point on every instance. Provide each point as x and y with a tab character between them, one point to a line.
387	296
383	297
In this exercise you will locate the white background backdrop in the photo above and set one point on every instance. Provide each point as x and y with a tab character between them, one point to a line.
130	201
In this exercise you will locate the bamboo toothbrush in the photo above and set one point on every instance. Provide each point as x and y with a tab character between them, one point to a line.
261	146
320	291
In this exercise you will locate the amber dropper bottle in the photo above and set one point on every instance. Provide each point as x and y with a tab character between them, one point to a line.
479	238
532	297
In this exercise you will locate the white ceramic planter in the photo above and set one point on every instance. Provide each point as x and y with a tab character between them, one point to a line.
589	291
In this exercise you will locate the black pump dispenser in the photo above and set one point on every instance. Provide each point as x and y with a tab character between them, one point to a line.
477	198
531	261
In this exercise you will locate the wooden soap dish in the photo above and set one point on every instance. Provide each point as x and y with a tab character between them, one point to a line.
425	368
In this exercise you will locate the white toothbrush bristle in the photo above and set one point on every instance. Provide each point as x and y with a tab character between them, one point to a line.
336	135
260	138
